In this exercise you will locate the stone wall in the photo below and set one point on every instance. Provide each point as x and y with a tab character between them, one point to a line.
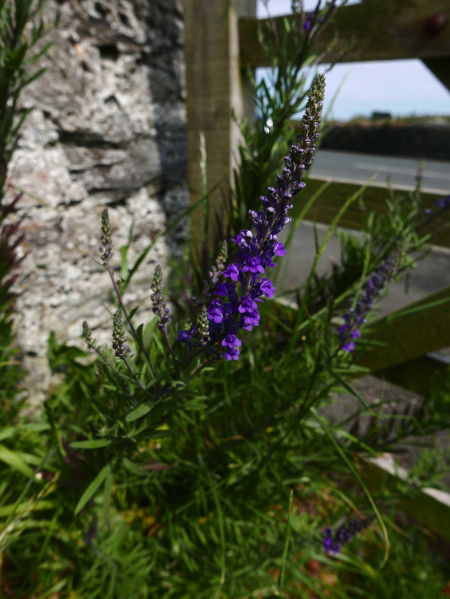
107	129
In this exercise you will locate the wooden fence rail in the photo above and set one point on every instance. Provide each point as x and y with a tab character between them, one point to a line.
381	30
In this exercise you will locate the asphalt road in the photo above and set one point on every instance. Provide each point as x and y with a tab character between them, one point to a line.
347	167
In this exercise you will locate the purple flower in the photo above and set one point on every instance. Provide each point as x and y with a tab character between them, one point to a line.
267	288
344	534
225	289
443	203
232	271
216	311
256	251
327	540
184	336
372	289
243	239
247	305
279	249
250	320
231	341
254	265
231	354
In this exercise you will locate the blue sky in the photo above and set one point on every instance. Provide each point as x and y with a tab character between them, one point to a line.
401	87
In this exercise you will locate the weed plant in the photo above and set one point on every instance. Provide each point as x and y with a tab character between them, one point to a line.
191	458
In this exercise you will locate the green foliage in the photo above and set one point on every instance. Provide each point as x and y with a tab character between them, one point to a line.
418	567
15	72
121	568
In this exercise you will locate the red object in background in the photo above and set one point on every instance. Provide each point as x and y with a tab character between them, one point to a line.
435	24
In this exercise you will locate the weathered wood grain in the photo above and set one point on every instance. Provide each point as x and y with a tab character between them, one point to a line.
440	67
408	335
416	375
430	507
372	200
214	88
381	29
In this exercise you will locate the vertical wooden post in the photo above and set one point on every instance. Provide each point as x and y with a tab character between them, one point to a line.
440	67
214	88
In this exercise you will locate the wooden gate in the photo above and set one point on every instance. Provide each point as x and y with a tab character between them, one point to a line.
221	41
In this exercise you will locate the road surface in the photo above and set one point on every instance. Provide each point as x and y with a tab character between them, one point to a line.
347	167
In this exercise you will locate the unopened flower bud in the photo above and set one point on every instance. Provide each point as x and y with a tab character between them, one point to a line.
119	343
87	335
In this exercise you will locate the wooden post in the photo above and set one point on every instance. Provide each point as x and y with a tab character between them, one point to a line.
214	88
440	67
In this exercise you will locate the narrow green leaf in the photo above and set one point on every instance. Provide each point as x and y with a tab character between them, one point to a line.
93	488
142	410
133	468
124	261
14	461
160	434
13	508
407	311
139	336
6	433
36	427
148	331
107	497
286	544
93	444
133	312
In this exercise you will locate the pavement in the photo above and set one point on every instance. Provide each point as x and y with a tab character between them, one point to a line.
431	274
346	167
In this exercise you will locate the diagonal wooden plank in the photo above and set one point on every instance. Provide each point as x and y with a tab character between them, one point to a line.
407	335
373	200
430	507
416	375
382	29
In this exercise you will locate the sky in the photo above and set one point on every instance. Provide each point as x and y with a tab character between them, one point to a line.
401	87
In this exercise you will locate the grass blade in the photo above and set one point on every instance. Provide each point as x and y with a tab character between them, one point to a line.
93	487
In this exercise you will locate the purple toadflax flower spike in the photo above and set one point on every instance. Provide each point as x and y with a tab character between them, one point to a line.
355	317
344	534
233	311
119	344
159	306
